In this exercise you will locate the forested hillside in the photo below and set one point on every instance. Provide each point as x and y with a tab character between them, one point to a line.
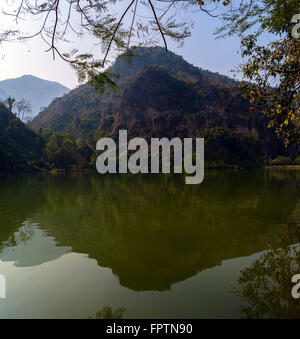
20	147
83	110
162	95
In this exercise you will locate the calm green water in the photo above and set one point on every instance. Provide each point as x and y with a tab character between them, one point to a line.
70	245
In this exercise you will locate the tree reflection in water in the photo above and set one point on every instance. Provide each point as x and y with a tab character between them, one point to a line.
108	313
265	287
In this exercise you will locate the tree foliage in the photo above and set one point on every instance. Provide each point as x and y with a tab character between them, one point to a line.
23	109
265	286
271	70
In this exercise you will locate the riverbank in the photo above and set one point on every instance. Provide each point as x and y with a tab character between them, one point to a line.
284	167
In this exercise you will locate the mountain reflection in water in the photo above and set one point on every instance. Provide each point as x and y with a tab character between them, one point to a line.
154	233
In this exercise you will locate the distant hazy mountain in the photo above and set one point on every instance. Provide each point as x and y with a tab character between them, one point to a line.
39	93
3	95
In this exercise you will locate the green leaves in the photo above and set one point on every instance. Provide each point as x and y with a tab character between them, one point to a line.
271	71
102	80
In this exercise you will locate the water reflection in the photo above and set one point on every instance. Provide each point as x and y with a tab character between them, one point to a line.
30	246
155	231
265	286
108	313
151	231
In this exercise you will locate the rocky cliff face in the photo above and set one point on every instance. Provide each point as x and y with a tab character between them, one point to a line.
157	104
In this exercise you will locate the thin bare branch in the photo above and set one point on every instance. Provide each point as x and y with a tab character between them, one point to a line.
115	31
158	24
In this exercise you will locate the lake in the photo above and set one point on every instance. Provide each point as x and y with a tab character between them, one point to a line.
71	245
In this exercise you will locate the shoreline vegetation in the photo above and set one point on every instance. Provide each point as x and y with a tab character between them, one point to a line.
209	167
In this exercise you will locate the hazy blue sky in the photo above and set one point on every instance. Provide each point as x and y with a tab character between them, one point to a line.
201	49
